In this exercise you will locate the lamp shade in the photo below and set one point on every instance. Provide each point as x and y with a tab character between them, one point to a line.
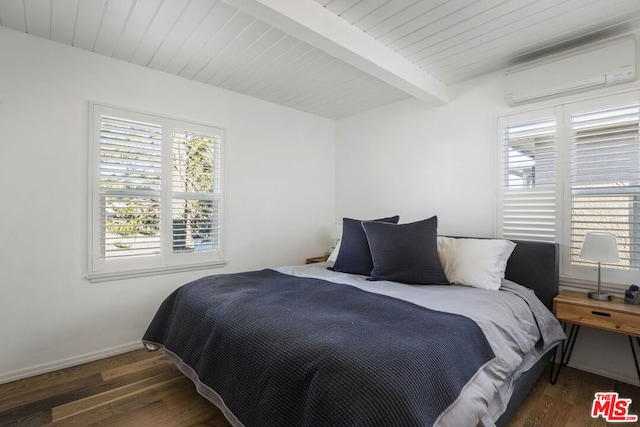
601	247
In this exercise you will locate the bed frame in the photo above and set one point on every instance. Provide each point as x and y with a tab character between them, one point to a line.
536	266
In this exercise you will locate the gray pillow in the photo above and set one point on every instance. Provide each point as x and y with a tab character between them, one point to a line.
354	256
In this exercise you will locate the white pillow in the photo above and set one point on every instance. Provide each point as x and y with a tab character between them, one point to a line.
480	263
334	253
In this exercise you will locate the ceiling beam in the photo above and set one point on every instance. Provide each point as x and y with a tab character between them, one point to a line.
310	22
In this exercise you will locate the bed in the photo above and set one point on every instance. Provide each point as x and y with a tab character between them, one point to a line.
320	345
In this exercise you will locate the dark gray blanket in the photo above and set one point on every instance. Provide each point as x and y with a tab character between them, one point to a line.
287	351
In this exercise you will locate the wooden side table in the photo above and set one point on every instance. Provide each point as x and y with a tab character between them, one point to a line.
577	309
315	259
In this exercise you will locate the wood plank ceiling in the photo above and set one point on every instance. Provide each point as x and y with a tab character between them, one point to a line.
333	58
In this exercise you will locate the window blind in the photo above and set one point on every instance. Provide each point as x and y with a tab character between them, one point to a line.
529	181
130	188
196	185
605	180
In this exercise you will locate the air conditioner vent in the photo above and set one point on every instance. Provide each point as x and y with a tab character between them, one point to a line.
577	70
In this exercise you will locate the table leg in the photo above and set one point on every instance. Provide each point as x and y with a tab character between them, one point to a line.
633	350
565	353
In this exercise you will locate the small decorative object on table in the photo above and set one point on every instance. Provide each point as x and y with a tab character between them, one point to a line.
632	295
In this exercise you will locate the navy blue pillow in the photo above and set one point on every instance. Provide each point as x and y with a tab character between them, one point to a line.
354	255
406	253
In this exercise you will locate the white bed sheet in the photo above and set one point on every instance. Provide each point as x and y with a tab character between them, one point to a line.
510	325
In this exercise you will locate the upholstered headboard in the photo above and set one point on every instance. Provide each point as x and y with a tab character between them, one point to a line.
536	265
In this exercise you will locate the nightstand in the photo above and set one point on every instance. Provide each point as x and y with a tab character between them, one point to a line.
577	309
313	260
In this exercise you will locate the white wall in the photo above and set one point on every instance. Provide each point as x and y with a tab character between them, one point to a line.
417	162
279	196
414	161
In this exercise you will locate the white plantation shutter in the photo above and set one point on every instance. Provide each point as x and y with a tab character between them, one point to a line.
156	195
196	191
605	179
130	185
529	180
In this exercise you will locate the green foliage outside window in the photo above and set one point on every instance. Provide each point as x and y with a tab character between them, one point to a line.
193	173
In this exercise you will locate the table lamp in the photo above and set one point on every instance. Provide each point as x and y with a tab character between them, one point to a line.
601	247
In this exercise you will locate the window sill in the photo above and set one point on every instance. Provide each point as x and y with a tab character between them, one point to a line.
122	275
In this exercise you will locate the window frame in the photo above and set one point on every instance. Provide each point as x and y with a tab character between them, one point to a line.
166	261
573	275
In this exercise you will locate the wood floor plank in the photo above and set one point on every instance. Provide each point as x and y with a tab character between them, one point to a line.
194	410
587	385
549	412
75	390
30	385
129	368
47	397
111	396
146	397
579	417
87	418
25	418
528	411
153	414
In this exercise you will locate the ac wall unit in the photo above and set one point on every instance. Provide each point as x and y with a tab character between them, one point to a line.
577	70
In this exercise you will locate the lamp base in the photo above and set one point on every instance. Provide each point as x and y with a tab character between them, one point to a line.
600	296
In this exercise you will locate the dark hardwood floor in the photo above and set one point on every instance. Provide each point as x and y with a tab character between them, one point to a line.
143	388
139	388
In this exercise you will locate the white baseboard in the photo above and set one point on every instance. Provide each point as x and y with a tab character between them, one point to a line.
66	363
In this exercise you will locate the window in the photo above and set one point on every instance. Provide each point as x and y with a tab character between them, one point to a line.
605	179
156	194
529	187
570	170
